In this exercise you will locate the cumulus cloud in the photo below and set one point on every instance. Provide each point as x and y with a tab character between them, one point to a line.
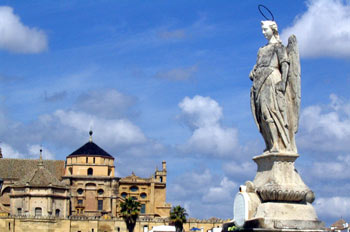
116	131
32	152
177	74
203	193
333	207
203	115
323	30
220	193
66	129
108	103
16	37
336	169
243	170
9	152
326	127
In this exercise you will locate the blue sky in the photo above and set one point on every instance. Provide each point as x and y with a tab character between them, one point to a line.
168	80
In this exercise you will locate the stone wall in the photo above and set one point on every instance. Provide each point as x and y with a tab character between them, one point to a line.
45	224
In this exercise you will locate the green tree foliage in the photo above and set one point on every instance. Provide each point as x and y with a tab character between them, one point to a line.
178	217
130	210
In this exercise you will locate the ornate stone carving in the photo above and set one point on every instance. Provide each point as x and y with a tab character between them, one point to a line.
278	180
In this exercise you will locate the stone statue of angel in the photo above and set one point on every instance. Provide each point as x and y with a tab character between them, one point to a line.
275	94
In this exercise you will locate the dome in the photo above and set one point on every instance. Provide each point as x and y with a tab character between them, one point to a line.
90	149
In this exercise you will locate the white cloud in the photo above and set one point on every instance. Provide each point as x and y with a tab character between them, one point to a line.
64	130
326	128
17	37
240	170
202	193
336	169
116	131
32	152
223	192
203	115
106	103
323	30
9	152
333	207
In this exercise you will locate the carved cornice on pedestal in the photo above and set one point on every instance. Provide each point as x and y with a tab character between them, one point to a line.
278	180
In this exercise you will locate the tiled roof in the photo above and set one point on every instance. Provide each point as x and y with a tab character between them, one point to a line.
90	148
17	168
339	224
40	177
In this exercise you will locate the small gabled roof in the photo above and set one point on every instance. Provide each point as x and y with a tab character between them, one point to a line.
40	177
15	169
90	149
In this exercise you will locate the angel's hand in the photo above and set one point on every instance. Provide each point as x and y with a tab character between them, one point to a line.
281	86
252	73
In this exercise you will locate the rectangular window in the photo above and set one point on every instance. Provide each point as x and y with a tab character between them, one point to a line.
143	208
19	211
38	211
80	202
94	159
100	204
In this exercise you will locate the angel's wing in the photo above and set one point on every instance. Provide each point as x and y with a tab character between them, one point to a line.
293	86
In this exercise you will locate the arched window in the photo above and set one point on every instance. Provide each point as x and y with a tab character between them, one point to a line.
38	211
90	172
6	196
57	212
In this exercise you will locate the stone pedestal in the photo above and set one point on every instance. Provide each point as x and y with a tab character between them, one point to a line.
278	180
285	200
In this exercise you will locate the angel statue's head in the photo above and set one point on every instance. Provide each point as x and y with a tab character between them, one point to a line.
270	30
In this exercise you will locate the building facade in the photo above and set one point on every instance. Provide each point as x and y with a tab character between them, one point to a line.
84	185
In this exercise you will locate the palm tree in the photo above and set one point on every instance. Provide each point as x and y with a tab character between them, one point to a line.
178	217
130	210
